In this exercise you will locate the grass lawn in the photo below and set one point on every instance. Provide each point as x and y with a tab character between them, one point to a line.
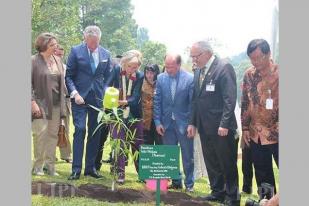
64	169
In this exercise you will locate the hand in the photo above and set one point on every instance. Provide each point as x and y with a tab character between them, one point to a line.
160	129
246	137
122	102
222	131
263	202
274	201
78	99
191	131
35	109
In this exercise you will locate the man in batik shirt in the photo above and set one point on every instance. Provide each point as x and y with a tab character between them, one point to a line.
260	110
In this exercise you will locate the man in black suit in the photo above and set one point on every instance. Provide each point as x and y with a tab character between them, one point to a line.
213	105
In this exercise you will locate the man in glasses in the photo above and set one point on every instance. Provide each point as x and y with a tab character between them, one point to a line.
213	105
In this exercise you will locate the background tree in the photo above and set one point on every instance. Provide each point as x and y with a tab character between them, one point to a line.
114	17
142	36
120	33
153	52
60	17
240	62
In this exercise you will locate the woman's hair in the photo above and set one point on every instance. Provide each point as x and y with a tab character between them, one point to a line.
154	68
131	56
42	41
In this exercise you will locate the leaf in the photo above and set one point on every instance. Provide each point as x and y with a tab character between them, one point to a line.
96	129
100	116
95	108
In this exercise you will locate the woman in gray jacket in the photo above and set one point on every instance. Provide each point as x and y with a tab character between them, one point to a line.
47	102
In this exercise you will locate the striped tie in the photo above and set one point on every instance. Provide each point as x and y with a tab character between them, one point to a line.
202	75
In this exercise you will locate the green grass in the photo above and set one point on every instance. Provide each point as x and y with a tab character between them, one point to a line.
201	187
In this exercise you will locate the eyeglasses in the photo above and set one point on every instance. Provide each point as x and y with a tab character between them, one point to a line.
196	56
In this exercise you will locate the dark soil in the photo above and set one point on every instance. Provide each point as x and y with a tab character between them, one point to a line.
103	193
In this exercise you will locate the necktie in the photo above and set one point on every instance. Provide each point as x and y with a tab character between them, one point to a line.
92	63
202	75
173	91
173	87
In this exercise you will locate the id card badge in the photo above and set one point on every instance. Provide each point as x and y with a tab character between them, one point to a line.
210	87
269	103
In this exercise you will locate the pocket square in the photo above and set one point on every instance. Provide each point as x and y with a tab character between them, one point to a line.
104	60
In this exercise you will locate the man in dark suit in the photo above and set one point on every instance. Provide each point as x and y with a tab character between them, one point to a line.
88	72
171	112
213	105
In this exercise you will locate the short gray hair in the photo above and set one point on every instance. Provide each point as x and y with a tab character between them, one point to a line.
204	46
92	31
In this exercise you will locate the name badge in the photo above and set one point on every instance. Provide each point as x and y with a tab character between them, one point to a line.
210	87
269	103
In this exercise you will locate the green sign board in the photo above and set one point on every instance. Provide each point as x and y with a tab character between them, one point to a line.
159	162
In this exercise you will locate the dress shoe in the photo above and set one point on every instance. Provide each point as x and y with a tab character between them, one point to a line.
189	189
53	174
107	161
38	172
141	181
213	198
94	174
67	160
74	176
232	202
120	181
175	187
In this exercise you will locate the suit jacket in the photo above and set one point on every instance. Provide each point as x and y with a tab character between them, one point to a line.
79	75
214	109
164	105
134	101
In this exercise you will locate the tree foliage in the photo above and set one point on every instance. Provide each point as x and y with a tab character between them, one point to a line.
60	17
153	52
142	36
68	18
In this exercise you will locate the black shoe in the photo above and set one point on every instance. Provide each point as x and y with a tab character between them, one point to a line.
175	187
141	181
107	161
190	189
94	174
213	198
232	202
247	190
67	160
74	176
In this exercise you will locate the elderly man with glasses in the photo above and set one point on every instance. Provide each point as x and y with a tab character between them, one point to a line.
213	104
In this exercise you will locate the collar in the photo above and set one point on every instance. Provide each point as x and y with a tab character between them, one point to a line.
210	61
94	52
176	76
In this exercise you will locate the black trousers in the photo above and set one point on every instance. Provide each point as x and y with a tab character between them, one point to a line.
104	134
262	159
220	155
247	168
151	136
